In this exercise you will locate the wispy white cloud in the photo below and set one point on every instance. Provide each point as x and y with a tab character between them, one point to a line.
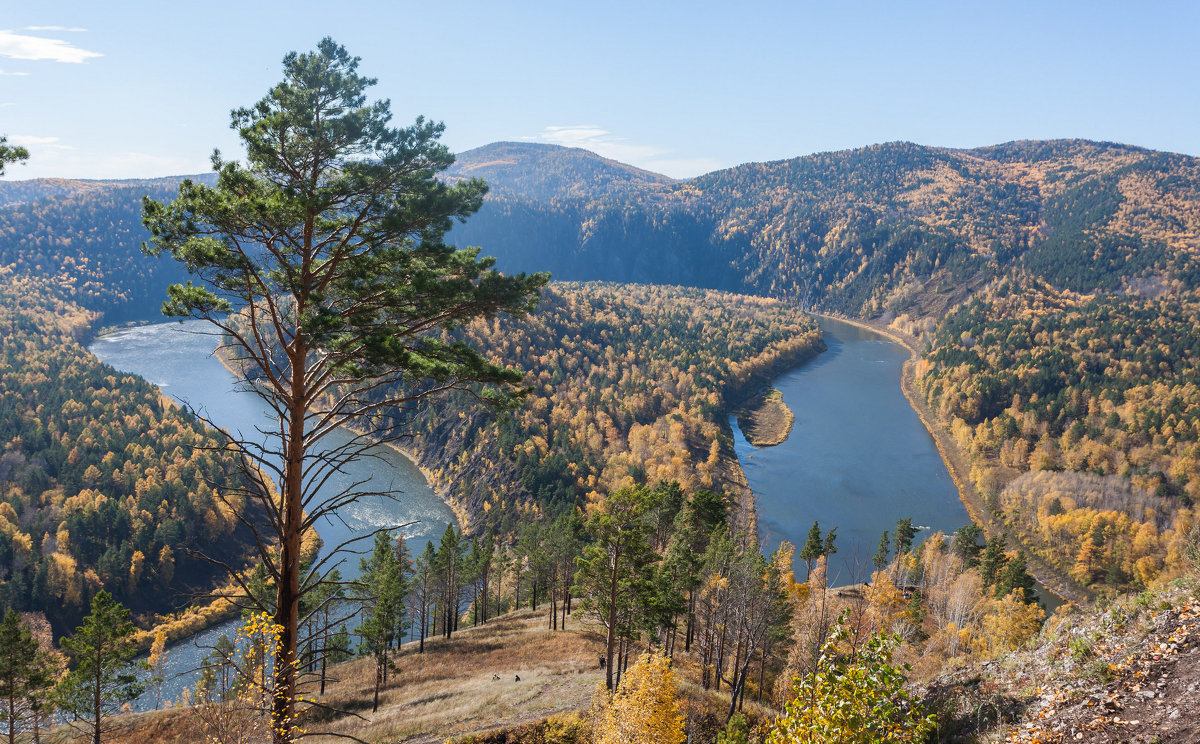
13	74
28	140
23	46
74	29
605	143
598	140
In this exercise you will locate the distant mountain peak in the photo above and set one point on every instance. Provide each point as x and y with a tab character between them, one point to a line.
544	172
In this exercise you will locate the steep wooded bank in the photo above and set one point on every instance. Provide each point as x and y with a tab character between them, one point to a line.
83	238
1080	418
104	484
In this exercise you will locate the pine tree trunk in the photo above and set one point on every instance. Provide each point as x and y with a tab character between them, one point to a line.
287	607
691	621
324	647
96	709
12	714
424	616
375	704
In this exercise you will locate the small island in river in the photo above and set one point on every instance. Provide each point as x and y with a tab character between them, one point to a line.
765	420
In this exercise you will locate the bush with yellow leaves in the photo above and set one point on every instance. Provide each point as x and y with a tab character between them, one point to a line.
644	709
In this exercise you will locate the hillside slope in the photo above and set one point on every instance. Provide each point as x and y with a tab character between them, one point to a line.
876	231
1127	672
447	691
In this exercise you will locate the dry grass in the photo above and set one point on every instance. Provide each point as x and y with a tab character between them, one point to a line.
449	690
446	692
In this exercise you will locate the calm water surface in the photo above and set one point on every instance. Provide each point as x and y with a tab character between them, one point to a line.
857	459
178	358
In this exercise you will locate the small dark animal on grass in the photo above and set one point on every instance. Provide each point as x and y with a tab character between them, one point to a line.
518	677
602	662
495	677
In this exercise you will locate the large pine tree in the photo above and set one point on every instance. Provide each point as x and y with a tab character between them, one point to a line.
324	269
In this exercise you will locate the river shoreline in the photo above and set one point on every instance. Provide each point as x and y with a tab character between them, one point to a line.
442	491
956	464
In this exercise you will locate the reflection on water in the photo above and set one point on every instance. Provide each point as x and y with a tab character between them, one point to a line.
858	458
178	358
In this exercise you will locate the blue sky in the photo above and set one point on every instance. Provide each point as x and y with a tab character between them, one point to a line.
138	89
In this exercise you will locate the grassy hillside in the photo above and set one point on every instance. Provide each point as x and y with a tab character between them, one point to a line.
446	691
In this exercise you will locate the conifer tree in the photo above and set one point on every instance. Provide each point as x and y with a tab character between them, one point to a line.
829	544
1014	576
101	679
905	532
384	588
992	560
326	603
612	579
966	543
25	672
880	560
424	586
327	248
812	548
451	565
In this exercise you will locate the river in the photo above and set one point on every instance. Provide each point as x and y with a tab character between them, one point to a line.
858	457
178	358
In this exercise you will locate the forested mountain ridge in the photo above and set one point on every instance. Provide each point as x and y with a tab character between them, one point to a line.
887	229
84	238
35	189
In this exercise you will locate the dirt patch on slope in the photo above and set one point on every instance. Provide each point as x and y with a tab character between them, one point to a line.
1154	695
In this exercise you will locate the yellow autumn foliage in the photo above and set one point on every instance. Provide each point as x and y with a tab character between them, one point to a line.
1010	623
644	709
